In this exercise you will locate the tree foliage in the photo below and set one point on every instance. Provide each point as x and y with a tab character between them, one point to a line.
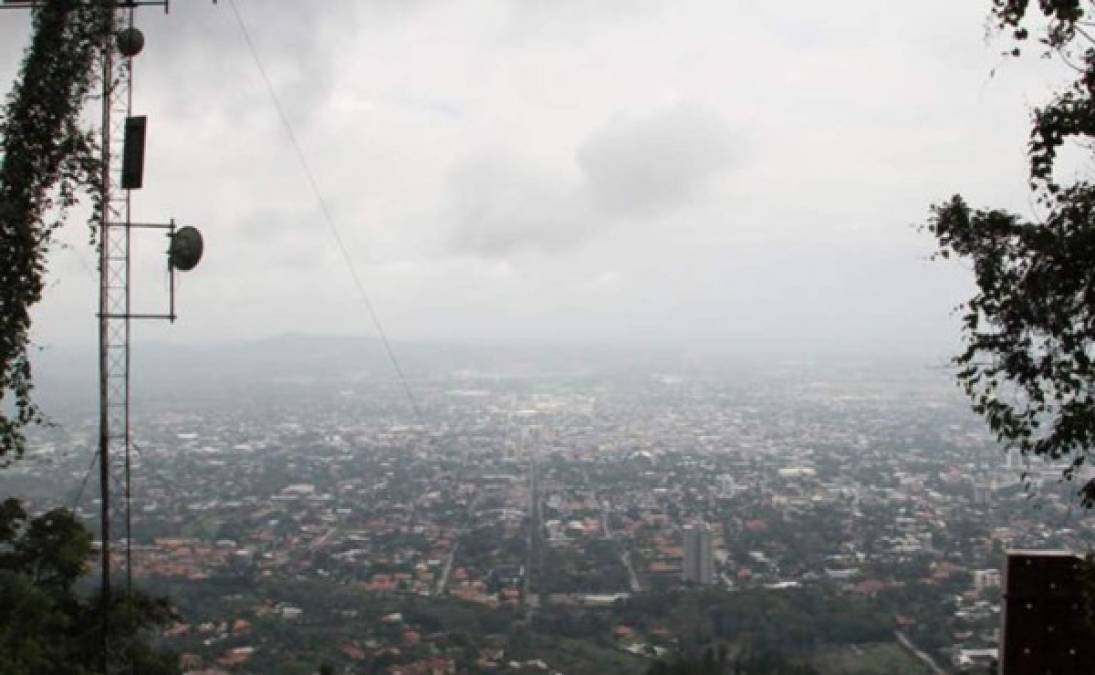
48	159
1028	363
721	663
46	628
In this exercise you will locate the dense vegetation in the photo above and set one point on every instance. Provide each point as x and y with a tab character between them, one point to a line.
720	663
784	622
760	632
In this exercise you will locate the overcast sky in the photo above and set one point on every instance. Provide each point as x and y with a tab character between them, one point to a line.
732	172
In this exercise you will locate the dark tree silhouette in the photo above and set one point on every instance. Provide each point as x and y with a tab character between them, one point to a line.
46	628
1029	331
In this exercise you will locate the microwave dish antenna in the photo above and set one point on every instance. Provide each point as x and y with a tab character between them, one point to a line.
186	248
130	41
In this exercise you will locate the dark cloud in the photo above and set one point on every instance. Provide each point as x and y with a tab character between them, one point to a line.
643	167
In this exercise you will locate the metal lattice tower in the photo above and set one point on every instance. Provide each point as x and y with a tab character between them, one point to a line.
114	319
115	313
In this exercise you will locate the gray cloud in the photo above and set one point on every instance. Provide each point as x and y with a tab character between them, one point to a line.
574	21
292	42
505	206
632	168
644	167
609	170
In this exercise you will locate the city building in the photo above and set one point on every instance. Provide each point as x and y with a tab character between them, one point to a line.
699	562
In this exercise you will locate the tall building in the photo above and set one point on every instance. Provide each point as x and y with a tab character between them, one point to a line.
1044	628
699	561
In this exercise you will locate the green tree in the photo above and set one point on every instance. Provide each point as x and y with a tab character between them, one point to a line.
47	159
1029	331
718	662
46	628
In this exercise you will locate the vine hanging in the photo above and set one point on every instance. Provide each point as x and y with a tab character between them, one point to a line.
48	160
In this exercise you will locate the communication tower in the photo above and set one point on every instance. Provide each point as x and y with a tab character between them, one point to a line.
122	163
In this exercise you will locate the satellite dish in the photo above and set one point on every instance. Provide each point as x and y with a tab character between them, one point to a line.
130	42
186	249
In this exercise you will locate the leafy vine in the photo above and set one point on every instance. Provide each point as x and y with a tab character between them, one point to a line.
49	160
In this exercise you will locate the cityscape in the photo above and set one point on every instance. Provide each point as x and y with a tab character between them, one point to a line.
322	521
547	338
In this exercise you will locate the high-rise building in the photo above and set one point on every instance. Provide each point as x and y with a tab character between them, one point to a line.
1044	627
699	562
725	483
